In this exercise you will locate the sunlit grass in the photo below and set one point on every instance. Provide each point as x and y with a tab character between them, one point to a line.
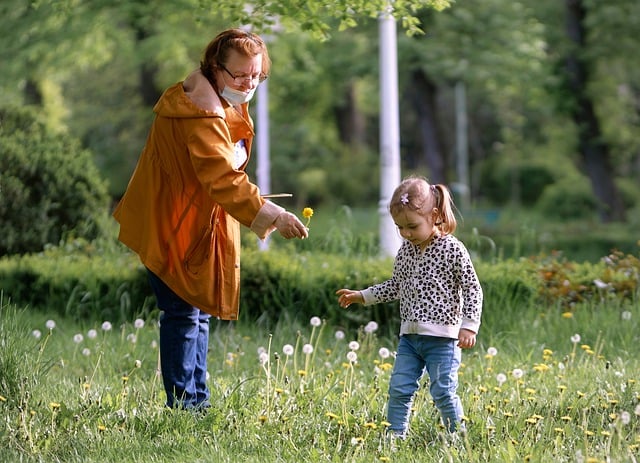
548	388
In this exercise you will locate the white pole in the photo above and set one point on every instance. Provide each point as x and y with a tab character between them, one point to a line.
462	158
263	164
389	131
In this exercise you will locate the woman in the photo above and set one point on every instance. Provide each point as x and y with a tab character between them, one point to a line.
182	210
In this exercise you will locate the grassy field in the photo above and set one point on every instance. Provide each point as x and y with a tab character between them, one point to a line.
540	386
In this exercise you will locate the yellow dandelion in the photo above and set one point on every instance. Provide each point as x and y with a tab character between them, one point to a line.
547	352
542	367
567	315
370	425
302	372
585	347
562	387
332	416
565	418
589	433
54	405
531	420
383	458
507	414
102	428
307	213
559	430
385	424
605	433
580	394
279	390
262	418
530	391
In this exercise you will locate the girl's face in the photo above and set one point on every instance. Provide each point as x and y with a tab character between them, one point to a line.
416	227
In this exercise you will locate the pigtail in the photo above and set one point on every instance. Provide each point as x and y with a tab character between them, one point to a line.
446	219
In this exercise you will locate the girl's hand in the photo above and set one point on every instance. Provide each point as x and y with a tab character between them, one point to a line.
466	339
346	297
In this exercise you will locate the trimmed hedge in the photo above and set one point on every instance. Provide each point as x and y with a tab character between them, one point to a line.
278	284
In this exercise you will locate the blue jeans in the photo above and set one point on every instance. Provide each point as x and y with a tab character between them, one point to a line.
440	358
184	341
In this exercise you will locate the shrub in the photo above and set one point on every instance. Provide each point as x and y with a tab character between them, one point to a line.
49	186
531	176
570	198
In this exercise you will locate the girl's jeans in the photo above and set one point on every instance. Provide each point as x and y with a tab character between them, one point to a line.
184	341
440	357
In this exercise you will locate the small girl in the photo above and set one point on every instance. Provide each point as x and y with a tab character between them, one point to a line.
440	302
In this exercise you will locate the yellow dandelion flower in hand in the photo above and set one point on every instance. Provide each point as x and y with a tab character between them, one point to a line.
307	213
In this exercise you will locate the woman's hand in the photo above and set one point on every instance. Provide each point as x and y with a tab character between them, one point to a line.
346	297
466	339
290	226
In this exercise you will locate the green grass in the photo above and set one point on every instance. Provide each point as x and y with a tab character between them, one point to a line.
100	398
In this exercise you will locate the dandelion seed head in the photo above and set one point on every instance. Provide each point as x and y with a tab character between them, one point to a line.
315	321
625	417
138	323
36	334
492	351
307	349
517	373
575	338
263	358
154	344
287	349
86	352
600	284
371	327
339	335
626	315
501	378
384	353
352	356
78	338
138	363
261	350
50	324
132	338
637	410
92	334
354	345
106	326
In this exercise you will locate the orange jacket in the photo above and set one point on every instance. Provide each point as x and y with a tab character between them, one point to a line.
182	210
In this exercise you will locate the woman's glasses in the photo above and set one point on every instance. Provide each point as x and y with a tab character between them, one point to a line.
240	79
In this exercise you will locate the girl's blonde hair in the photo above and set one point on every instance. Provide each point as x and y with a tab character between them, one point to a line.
416	194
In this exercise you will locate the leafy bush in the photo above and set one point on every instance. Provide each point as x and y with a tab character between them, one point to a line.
570	198
531	176
49	186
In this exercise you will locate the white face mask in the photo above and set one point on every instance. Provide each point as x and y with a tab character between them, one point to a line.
236	97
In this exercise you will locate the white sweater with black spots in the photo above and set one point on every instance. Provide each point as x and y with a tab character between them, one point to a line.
438	289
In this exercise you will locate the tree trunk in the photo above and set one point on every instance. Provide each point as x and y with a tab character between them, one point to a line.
423	98
148	70
351	122
593	149
32	93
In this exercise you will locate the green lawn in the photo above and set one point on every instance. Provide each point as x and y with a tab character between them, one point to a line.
540	386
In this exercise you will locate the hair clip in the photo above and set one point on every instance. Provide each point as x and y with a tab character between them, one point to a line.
404	199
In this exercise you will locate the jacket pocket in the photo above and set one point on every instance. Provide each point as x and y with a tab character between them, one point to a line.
199	252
